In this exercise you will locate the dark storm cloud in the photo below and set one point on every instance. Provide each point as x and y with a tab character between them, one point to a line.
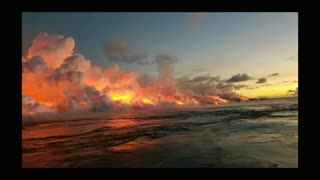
261	80
239	78
274	74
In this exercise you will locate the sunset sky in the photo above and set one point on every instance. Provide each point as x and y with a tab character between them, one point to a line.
261	45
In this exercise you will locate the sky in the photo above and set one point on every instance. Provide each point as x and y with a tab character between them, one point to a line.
261	45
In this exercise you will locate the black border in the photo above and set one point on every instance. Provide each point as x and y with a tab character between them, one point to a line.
164	5
12	155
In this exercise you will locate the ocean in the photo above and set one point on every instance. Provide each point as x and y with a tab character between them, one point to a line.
254	134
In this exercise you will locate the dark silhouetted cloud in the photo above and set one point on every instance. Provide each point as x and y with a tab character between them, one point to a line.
292	91
289	81
240	86
261	80
274	74
239	78
206	79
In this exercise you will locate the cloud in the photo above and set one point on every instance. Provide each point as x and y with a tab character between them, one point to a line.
166	66
274	74
292	91
53	49
239	78
35	64
261	80
206	79
252	88
123	53
266	85
120	47
141	59
206	85
76	62
289	81
195	20
241	86
166	58
77	84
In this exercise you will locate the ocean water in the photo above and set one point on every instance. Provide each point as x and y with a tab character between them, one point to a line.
256	134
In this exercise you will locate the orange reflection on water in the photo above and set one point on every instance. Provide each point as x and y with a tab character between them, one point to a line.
122	123
129	146
47	130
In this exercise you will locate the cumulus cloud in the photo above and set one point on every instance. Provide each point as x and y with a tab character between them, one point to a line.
261	80
35	65
74	83
76	62
274	74
239	78
54	49
195	20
